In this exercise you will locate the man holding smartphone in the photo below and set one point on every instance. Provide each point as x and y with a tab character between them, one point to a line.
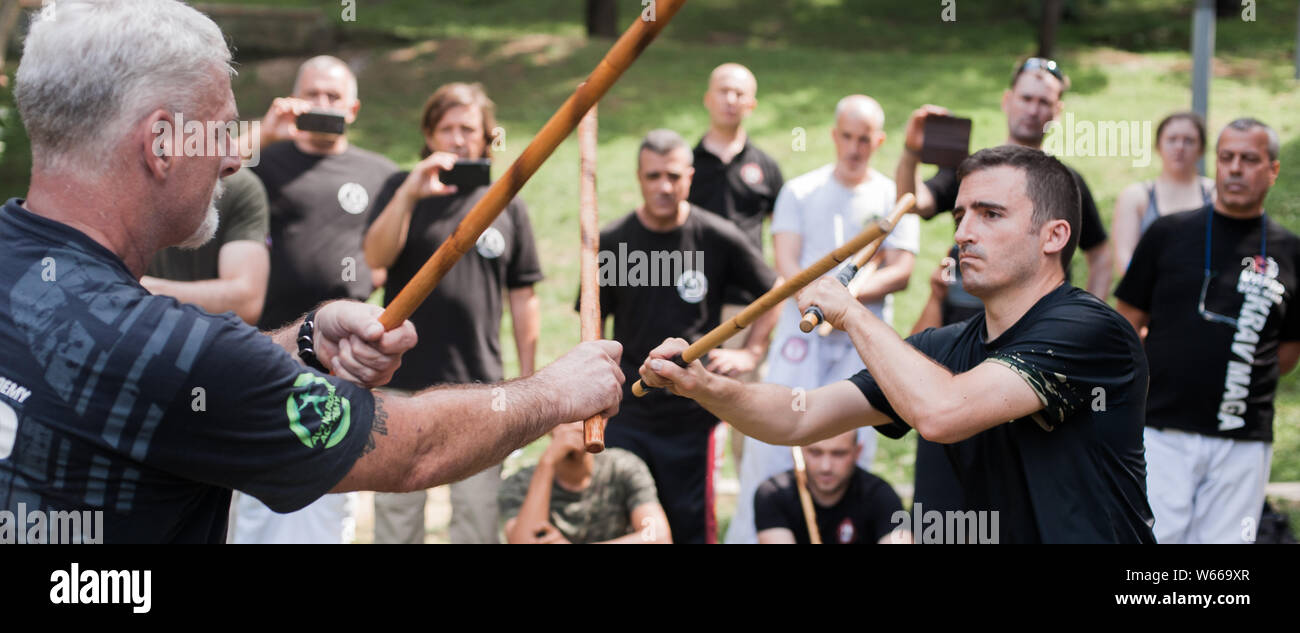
319	186
1031	103
460	322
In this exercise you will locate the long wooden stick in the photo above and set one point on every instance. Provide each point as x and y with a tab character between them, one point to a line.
805	498
813	315
618	59
593	429
775	296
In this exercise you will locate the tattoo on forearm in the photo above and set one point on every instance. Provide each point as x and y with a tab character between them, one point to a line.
377	427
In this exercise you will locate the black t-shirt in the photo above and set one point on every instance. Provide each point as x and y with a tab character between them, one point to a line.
936	485
944	185
151	410
460	323
1207	376
863	516
743	190
652	298
1075	471
319	206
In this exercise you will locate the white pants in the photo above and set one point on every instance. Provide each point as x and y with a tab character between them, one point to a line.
328	520
808	361
1205	489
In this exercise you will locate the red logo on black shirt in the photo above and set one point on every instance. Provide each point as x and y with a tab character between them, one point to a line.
845	533
751	174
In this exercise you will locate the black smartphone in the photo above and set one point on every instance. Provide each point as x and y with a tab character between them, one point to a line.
468	175
947	140
322	121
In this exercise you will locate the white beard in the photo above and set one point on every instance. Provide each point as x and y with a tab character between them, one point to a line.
208	228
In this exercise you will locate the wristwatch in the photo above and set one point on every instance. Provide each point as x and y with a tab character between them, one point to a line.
306	343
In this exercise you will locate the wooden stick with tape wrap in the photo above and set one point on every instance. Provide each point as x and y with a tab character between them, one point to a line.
787	289
593	429
813	315
618	59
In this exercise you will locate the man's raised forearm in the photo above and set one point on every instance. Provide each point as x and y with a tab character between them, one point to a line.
536	508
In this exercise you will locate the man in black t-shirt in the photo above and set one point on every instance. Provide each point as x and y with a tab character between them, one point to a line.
460	321
733	178
852	506
119	401
1032	102
664	270
1216	288
1040	399
320	188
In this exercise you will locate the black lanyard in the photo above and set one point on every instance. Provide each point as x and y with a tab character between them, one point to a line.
1263	238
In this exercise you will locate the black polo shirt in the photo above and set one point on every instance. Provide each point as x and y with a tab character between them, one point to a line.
743	190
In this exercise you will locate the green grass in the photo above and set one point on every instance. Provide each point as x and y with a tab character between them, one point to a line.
1128	61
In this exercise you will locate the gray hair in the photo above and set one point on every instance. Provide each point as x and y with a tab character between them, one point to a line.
327	63
664	141
1246	124
92	68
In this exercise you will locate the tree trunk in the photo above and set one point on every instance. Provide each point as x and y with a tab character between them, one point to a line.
602	18
1047	28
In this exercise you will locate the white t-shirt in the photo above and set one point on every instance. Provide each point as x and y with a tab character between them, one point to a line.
825	213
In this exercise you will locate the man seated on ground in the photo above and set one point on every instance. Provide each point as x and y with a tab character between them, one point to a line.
852	505
573	496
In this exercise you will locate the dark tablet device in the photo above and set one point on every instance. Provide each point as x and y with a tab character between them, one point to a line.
947	140
468	175
322	121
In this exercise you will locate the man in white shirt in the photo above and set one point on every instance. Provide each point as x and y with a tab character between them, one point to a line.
815	213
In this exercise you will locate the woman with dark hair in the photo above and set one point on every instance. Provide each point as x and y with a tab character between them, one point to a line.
1180	141
459	324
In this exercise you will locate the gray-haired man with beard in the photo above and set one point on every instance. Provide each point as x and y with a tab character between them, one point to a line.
152	411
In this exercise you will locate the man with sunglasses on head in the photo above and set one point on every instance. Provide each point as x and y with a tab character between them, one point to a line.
1216	289
1031	103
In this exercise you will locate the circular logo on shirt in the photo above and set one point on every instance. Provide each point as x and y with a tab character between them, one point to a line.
318	415
751	174
353	198
692	285
845	532
795	349
491	244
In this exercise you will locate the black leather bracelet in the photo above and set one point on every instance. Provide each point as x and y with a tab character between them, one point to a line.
307	342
